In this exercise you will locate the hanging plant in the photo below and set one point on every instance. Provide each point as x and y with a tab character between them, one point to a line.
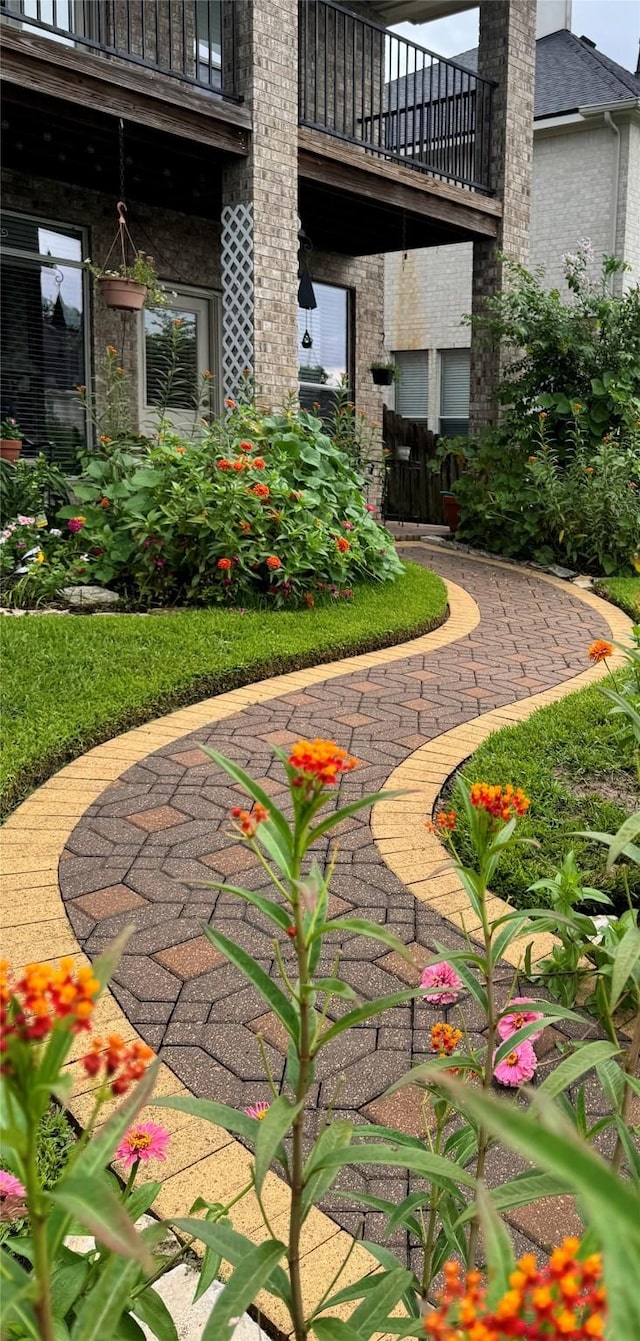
127	286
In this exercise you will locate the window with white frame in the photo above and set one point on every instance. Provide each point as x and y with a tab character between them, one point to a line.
455	373
412	386
179	363
44	332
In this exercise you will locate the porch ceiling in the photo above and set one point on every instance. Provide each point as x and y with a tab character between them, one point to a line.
355	203
411	11
47	138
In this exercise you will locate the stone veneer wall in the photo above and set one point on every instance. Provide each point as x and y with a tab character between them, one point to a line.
506	54
186	250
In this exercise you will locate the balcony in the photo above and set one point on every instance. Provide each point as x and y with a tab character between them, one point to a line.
192	41
369	87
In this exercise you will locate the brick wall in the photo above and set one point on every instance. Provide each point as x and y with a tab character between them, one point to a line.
573	176
628	231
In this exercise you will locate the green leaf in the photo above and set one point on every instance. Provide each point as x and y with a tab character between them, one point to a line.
233	1248
361	927
627	833
626	957
99	1316
337	816
498	1249
101	1212
139	1201
523	1190
317	1180
575	1065
372	1312
335	987
272	1128
17	1289
267	988
363	1012
272	910
221	1115
152	1310
249	1277
276	818
66	1284
429	1166
333	1329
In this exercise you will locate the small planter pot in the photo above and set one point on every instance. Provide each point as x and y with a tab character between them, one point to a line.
451	509
382	376
403	453
123	294
10	448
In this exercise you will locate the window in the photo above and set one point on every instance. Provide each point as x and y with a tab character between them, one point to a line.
322	367
178	344
209	42
412	388
455	367
43	320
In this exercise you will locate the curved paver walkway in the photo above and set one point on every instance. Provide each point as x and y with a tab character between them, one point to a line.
145	849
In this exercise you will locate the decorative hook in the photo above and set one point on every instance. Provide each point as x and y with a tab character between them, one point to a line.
122	209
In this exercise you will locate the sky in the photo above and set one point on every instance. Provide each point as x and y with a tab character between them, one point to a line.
614	26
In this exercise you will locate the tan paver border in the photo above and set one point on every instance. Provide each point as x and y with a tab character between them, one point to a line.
417	856
203	1159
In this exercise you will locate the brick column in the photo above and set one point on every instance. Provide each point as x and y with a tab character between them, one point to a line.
506	55
259	245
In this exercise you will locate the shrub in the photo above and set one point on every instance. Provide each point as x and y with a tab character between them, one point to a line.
260	508
558	479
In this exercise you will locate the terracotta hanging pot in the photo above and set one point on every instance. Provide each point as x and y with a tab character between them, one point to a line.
10	448
125	295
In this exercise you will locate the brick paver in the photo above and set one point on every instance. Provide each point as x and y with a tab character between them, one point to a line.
147	850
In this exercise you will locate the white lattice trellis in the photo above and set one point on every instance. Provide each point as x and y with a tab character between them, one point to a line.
236	258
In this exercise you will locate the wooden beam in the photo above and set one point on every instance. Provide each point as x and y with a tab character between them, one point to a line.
136	94
329	161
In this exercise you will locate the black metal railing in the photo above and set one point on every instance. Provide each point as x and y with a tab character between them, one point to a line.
368	86
190	40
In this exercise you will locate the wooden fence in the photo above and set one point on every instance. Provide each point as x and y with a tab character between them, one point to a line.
413	488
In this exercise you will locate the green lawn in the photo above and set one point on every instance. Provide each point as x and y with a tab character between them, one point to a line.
622	591
71	681
571	761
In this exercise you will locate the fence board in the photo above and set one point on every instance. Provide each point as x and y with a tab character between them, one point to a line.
412	488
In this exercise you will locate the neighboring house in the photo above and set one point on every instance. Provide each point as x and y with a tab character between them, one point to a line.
586	183
250	140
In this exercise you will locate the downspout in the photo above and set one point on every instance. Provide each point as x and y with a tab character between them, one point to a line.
608	119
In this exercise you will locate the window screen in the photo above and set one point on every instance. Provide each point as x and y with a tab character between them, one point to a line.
43	313
412	389
322	367
454	392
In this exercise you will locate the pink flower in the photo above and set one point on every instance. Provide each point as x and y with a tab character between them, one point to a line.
258	1110
26	521
442	975
369	507
75	524
516	1019
348	526
517	1066
147	1140
12	1197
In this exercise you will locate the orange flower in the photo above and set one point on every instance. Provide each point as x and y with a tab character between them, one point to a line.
44	996
599	651
273	562
104	439
248	822
444	1038
177	322
295	495
245	527
321	761
206	373
223	464
258	463
260	490
444	822
224	565
230	403
180	451
112	351
309	599
105	503
238	464
534	1305
246	447
342	544
121	1063
503	803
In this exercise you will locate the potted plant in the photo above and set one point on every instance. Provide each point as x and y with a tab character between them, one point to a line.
451	509
10	439
127	287
384	374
